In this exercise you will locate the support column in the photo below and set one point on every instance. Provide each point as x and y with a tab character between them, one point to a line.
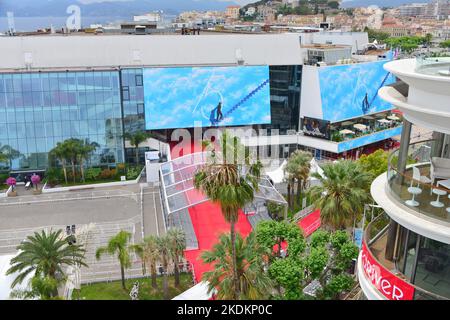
404	146
390	243
438	145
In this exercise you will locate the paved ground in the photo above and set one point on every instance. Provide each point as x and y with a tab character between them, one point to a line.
103	211
74	207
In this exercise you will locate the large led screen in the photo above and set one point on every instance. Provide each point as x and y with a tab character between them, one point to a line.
206	96
350	91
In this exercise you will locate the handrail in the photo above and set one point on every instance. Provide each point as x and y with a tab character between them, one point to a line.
369	242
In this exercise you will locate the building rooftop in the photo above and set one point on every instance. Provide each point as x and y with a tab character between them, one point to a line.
54	52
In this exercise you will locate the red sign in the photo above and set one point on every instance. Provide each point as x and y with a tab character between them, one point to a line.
386	282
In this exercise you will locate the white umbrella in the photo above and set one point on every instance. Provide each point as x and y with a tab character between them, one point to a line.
384	121
346	131
393	117
360	126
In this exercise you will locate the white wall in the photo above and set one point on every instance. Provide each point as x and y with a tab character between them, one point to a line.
57	51
310	102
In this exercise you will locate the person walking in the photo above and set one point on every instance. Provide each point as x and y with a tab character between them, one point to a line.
219	112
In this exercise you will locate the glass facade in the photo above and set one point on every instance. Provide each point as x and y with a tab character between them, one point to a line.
37	110
132	87
285	84
425	263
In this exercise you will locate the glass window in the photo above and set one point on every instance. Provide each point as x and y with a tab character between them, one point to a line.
433	267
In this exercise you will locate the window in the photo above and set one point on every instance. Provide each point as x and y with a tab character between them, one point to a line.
139	80
126	93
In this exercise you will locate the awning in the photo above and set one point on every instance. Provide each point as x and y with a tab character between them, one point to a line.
178	190
347	123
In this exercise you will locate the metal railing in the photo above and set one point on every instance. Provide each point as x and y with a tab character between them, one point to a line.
401	181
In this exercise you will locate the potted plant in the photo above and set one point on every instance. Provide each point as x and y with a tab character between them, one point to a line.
35	180
12	183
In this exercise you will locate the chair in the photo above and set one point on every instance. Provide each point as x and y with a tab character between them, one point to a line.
414	190
440	168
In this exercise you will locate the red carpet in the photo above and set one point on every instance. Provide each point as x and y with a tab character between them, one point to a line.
310	223
208	224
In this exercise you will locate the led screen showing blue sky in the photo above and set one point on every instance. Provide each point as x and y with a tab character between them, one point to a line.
350	91
206	96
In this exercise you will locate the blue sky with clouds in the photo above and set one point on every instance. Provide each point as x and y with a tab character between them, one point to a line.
177	97
343	88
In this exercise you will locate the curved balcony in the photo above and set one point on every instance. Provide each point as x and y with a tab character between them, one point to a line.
416	196
380	278
428	100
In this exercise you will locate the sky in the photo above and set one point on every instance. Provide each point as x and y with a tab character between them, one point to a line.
177	97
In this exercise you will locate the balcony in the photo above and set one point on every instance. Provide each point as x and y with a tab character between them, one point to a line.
427	103
431	198
381	279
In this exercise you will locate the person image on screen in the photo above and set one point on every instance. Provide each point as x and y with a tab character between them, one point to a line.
219	112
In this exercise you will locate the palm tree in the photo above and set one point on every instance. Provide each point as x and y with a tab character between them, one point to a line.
46	254
118	245
149	253
60	153
177	244
86	149
164	253
230	180
342	193
8	153
298	168
135	140
254	281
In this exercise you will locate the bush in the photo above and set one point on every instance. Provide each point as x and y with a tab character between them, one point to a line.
132	173
3	178
121	167
93	173
54	176
108	174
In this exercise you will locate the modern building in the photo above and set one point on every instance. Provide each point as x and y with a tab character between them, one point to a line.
406	250
412	10
91	87
100	87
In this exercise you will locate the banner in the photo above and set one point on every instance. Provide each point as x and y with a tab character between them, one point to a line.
392	287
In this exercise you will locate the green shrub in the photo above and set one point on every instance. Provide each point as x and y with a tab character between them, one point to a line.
108	174
133	173
54	176
93	173
3	177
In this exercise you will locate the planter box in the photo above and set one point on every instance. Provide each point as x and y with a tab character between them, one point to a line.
45	189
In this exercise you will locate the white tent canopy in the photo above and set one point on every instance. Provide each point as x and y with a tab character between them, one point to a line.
197	292
7	280
277	175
